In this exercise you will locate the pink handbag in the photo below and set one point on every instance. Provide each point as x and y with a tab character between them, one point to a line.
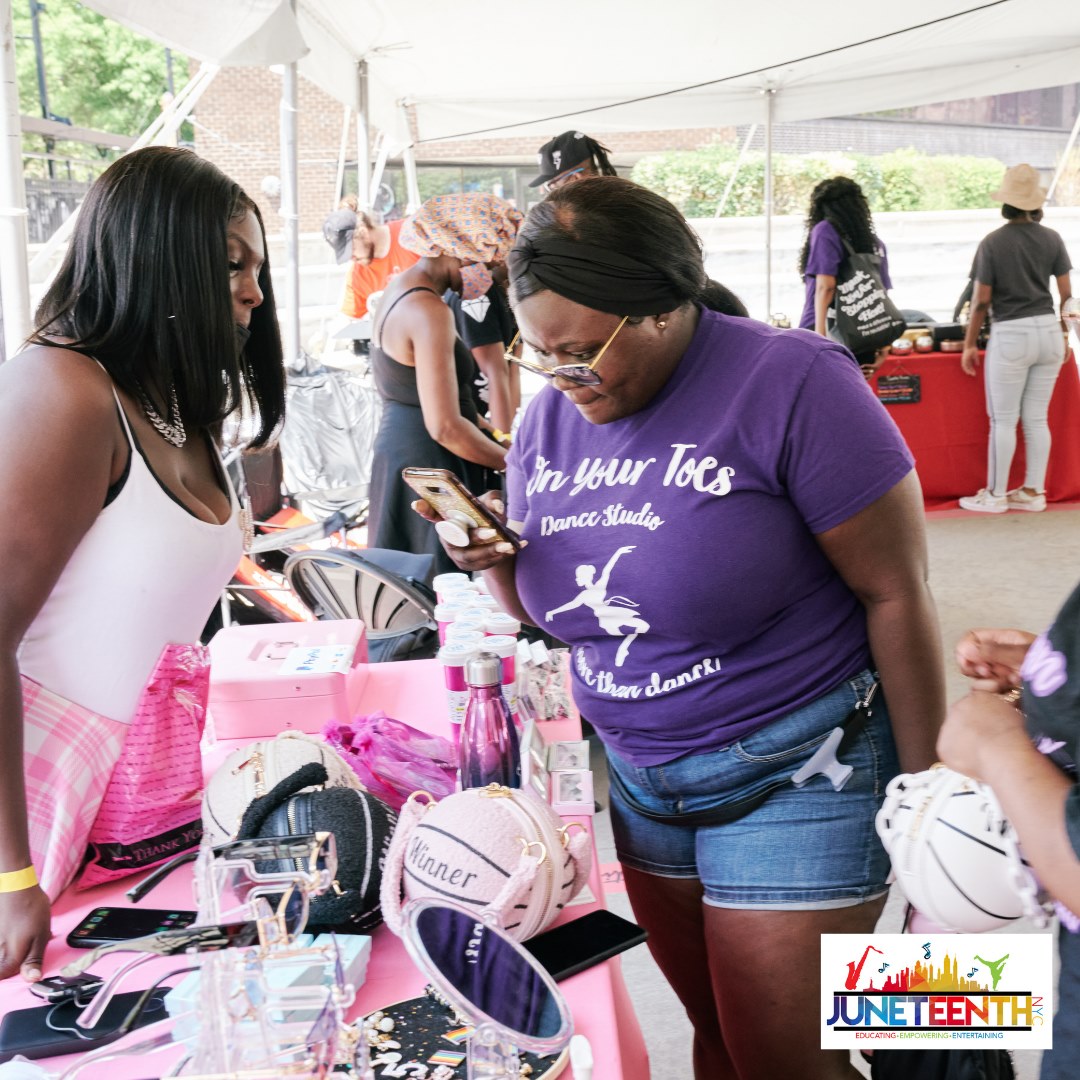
152	808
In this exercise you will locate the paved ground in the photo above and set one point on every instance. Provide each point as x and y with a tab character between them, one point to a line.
986	570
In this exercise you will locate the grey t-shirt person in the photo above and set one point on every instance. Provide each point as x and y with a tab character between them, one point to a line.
1017	261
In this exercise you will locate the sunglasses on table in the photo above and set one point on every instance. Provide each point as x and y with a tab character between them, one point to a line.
581	374
310	853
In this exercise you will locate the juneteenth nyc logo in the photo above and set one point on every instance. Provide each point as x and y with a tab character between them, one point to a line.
893	986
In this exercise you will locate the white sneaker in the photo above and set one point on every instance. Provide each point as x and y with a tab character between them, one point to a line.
985	502
1021	500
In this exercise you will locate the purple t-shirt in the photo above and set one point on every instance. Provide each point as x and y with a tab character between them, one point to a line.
824	257
674	549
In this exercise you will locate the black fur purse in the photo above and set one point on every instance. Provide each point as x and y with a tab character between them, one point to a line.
362	826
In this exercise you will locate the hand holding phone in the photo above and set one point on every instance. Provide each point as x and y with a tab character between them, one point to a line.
460	512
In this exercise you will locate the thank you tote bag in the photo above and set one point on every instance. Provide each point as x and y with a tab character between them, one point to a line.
866	319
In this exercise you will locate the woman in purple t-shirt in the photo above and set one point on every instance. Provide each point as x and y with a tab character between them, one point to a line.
838	212
724	524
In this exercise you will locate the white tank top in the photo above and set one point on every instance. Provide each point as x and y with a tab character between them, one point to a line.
147	573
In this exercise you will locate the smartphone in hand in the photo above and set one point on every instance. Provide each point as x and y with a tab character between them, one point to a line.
458	507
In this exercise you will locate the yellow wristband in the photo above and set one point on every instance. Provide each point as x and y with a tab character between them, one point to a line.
18	880
498	435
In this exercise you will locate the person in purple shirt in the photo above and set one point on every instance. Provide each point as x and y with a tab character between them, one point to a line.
838	212
724	524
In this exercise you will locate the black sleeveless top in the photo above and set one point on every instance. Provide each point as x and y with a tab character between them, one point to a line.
397	382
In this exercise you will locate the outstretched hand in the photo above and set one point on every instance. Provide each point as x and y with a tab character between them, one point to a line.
24	933
992	658
485	548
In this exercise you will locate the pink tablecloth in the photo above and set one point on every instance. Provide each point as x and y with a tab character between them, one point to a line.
411	691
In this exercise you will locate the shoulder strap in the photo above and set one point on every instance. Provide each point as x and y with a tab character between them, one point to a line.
377	331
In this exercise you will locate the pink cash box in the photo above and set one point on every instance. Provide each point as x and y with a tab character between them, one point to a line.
280	676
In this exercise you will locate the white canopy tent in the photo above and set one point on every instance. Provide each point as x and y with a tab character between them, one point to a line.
481	71
631	66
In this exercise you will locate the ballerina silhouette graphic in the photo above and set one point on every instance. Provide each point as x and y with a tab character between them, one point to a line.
614	613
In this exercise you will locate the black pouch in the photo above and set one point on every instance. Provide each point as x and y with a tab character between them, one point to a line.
840	739
362	826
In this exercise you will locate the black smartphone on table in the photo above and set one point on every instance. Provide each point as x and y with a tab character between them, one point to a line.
104	925
50	1030
579	944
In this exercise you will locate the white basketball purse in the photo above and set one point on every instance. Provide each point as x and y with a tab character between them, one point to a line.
954	853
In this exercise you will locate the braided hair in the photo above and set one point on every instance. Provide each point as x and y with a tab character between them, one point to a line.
841	202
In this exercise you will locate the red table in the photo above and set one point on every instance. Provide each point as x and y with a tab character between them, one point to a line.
412	691
947	430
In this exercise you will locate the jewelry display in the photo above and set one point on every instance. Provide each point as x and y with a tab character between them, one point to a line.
171	429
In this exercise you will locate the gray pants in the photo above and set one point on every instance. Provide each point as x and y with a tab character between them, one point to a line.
1022	364
1061	1062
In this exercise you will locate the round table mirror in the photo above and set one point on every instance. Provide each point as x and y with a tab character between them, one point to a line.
488	977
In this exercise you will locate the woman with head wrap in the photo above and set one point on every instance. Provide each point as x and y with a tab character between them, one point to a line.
725	526
424	374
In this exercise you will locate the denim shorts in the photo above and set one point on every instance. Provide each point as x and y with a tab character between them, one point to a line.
805	848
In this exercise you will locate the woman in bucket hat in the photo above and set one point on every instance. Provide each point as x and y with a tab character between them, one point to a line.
1012	270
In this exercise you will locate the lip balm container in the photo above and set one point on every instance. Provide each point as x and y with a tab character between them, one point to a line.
453	658
505	648
456	635
498	622
446	613
468	620
445	584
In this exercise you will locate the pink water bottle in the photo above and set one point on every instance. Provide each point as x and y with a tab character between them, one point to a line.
489	752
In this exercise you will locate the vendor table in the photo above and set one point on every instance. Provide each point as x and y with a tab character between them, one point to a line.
947	429
411	691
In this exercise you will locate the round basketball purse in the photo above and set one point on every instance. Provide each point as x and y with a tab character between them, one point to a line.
954	853
251	771
495	849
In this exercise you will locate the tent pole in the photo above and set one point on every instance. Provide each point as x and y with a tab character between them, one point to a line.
339	179
1063	163
290	213
363	137
769	95
408	159
15	280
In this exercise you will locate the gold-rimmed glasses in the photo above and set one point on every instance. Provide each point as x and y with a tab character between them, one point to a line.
581	374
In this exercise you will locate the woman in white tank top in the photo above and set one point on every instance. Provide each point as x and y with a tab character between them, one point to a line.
119	523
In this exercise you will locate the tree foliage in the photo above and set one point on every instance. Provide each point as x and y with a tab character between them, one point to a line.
98	73
695	180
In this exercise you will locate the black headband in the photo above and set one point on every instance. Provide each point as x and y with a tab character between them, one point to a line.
595	277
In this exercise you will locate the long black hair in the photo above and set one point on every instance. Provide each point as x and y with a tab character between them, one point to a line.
621	216
144	289
840	201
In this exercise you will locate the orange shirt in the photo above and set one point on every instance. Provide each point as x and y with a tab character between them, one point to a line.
365	280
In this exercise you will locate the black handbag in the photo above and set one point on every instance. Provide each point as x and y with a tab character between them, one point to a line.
866	319
362	826
964	1063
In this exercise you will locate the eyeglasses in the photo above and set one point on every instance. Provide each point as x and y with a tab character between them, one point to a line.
558	181
580	374
317	848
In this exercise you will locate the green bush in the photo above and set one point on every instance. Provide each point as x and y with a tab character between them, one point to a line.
695	180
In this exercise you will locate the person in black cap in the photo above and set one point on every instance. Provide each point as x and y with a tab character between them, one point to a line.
339	227
571	156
